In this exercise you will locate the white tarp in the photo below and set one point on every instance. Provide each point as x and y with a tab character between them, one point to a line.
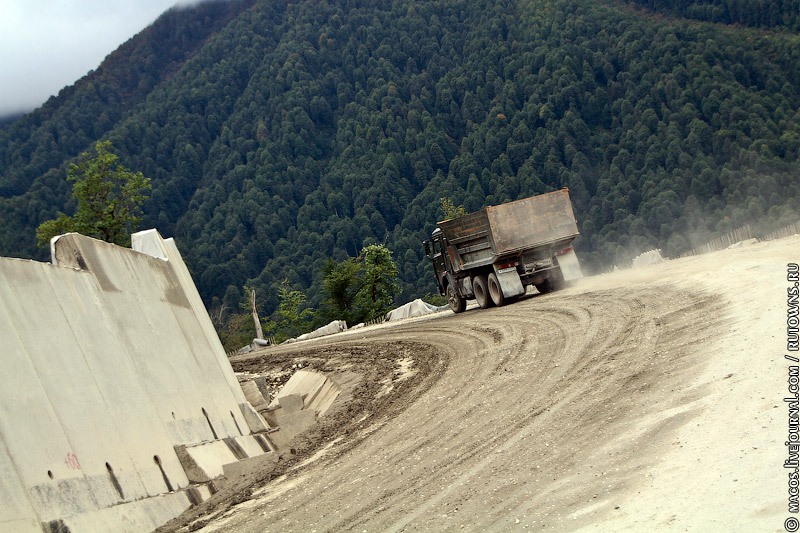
648	258
336	326
415	308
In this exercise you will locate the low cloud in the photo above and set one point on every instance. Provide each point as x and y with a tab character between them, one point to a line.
46	46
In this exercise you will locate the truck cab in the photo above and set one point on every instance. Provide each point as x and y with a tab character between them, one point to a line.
436	252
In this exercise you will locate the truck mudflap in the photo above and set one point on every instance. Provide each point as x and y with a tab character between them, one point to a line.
570	267
509	281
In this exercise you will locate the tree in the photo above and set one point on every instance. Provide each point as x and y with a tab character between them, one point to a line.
109	198
363	288
450	210
378	282
340	283
293	315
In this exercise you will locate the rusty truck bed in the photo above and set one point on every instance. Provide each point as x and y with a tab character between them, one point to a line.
480	238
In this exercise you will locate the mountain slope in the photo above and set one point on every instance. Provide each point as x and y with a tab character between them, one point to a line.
34	149
292	132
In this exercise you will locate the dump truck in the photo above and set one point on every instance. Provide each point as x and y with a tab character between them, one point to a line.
493	255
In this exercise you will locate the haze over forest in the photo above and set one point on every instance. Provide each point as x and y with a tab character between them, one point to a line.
278	134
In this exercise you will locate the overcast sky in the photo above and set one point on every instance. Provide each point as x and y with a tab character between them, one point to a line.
46	45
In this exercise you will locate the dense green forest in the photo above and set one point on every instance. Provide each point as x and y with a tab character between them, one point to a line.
755	13
280	134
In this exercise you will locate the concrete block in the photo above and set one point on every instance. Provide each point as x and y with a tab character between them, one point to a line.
318	390
235	471
290	425
291	403
324	397
235	448
64	497
200	492
250	445
297	422
22	525
93	432
302	382
129	517
16	511
203	462
265	440
253	395
281	440
149	242
269	416
261	383
255	422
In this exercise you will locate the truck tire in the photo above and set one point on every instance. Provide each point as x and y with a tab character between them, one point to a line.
495	290
456	301
481	290
554	283
544	287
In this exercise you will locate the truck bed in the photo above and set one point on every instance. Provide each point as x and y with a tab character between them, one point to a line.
479	238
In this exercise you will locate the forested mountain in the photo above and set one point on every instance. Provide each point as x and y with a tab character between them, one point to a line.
278	134
754	13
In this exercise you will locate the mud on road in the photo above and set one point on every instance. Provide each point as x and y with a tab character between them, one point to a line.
539	415
638	400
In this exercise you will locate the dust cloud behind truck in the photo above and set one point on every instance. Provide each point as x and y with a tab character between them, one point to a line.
494	254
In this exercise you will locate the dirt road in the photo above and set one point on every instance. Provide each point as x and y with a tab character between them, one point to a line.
638	400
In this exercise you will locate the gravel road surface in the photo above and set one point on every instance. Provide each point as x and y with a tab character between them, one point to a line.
643	400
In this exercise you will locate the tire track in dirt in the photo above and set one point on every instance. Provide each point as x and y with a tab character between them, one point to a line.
563	356
527	415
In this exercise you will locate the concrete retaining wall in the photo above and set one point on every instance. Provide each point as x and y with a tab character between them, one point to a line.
109	362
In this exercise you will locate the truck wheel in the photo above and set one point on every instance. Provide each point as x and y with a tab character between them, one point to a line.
550	284
495	291
457	303
481	291
544	287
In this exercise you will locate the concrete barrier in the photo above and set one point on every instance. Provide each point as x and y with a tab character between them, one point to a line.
110	361
295	409
317	390
142	515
